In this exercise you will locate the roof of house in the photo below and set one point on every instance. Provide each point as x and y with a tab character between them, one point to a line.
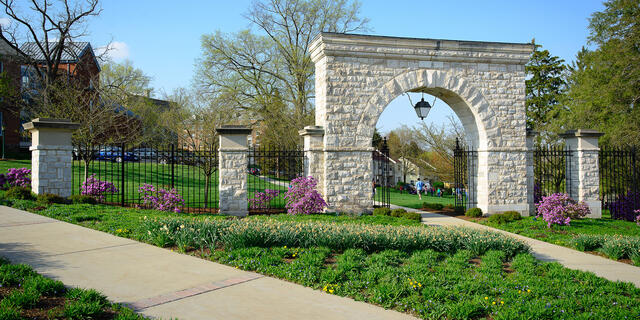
71	54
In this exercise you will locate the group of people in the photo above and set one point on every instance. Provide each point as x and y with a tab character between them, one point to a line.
426	188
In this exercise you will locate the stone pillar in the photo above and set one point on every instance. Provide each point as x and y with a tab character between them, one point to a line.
51	155
313	153
531	136
584	180
232	176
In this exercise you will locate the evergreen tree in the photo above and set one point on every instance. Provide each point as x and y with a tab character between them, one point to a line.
544	88
604	85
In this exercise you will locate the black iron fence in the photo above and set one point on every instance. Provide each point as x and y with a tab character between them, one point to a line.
382	177
465	169
619	177
551	166
193	172
269	178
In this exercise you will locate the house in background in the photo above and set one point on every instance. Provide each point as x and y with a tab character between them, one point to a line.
10	64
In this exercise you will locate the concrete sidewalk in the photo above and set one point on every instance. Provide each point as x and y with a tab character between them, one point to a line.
573	259
160	283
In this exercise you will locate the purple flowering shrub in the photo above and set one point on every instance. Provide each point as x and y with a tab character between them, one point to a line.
97	188
4	183
623	208
261	199
303	198
559	208
161	199
17	177
637	217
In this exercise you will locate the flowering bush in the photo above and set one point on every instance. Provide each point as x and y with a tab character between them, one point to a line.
637	217
97	188
18	177
4	183
623	208
161	199
303	198
261	199
559	208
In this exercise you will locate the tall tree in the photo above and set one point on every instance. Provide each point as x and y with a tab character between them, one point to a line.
545	87
604	84
271	71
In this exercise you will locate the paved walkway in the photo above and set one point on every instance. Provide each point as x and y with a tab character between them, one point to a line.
602	267
161	283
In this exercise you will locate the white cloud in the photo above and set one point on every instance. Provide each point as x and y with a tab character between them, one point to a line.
5	22
116	51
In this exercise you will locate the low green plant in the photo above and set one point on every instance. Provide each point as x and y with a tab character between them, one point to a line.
398	212
412	216
20	193
432	206
25	298
15	274
498	218
512	215
473	212
588	242
10	313
382	211
45	286
83	199
49	198
620	247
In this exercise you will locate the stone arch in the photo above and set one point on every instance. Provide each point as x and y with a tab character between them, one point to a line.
356	78
463	98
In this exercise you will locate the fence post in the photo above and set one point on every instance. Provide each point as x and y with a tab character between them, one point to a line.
173	156
233	163
531	135
51	155
314	154
583	180
123	187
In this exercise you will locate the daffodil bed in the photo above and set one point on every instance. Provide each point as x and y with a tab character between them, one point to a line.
425	271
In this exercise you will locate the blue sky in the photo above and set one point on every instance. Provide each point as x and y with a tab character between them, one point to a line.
163	37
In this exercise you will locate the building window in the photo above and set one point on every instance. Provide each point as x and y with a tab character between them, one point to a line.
1	66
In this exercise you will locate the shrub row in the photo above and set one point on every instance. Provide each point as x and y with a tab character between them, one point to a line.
243	233
507	216
398	213
615	247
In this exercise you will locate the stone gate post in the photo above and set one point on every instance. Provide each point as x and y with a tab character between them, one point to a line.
313	153
584	179
232	177
531	136
51	155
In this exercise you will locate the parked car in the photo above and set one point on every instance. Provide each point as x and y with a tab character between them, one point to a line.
145	153
115	154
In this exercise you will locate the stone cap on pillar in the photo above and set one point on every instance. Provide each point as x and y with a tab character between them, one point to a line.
233	129
50	123
312	131
586	133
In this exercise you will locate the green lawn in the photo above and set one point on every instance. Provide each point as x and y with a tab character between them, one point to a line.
404	199
25	294
536	227
362	258
6	164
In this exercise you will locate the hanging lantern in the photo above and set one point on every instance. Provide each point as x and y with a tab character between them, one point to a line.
422	109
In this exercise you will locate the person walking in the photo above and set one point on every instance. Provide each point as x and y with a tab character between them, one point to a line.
419	186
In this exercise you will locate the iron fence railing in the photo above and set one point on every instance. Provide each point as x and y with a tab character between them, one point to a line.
465	169
619	177
193	172
551	167
382	177
270	175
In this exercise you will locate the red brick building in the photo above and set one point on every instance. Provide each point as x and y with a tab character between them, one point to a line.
9	111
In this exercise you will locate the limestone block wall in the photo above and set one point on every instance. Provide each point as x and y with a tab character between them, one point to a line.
584	178
51	169
484	83
233	182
